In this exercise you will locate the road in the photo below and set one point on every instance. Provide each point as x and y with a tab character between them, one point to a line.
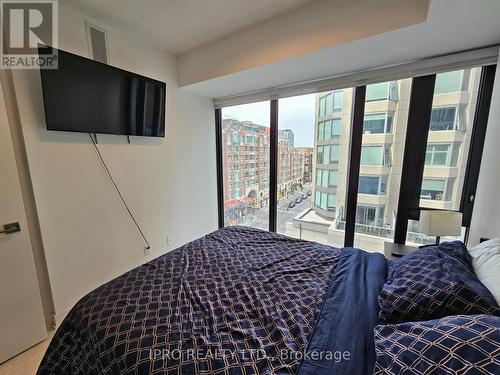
259	218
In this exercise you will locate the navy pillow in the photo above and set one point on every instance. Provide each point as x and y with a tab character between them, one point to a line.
431	283
463	344
455	249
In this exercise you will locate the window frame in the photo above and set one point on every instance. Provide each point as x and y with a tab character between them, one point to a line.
341	95
419	116
456	115
353	168
386	150
322	147
380	181
445	182
219	167
415	148
449	153
366	207
322	102
478	136
339	128
388	97
386	129
334	146
335	174
460	83
328	207
321	131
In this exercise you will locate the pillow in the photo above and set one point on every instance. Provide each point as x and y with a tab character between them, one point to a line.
486	265
431	283
457	250
463	344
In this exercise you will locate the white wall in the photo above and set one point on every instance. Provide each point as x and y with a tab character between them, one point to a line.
486	215
170	184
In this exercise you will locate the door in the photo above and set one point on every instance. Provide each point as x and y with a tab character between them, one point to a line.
22	322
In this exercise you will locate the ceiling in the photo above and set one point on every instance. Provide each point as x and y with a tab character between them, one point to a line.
451	26
181	25
318	25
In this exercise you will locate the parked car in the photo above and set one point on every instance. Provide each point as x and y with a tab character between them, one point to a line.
309	193
298	200
291	204
304	196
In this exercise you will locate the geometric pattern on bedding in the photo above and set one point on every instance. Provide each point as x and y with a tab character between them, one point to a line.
430	284
236	301
462	344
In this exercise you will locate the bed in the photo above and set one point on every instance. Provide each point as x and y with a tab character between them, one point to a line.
236	301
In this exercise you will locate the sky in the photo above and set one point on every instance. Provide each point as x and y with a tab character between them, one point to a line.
295	113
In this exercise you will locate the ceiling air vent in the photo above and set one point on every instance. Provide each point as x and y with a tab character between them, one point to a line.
98	46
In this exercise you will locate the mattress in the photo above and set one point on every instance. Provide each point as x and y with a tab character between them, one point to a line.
236	301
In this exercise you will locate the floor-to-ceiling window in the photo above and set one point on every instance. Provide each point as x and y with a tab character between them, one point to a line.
448	144
384	132
312	168
245	148
296	159
313	146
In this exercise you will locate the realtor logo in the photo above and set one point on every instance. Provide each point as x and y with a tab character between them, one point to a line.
26	26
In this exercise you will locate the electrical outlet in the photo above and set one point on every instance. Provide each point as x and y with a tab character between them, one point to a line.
147	251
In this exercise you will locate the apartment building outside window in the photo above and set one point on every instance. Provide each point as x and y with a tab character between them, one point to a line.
449	140
246	165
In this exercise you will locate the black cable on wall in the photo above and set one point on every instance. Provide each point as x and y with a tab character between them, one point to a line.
118	191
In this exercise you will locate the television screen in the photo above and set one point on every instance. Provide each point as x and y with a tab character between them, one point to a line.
83	95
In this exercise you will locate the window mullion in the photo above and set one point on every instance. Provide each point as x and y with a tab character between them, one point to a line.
273	166
219	167
477	143
354	164
417	131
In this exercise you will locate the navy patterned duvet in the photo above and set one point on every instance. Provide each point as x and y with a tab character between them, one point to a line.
236	301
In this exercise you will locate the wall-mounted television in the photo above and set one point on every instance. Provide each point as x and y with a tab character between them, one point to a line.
84	95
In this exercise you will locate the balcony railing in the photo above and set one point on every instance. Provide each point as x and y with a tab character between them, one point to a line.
377	231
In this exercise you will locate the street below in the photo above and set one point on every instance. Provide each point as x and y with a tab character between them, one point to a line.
259	218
